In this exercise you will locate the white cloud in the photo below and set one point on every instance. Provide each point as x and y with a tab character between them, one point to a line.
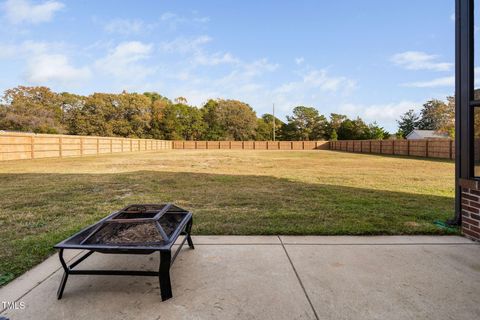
54	68
242	82
185	45
201	19
166	16
438	82
322	80
417	60
126	26
299	60
45	63
384	114
19	11
28	48
319	79
124	60
259	67
168	20
199	55
442	81
215	59
173	20
7	50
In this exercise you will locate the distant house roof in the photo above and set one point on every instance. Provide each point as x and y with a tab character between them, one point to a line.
426	134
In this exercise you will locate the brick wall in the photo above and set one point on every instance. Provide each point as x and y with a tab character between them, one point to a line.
470	208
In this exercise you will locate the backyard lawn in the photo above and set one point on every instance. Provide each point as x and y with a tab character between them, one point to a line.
230	192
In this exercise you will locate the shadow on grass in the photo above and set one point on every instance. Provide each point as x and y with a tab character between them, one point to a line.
38	210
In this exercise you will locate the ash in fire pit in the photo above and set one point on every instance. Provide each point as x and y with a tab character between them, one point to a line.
138	225
126	233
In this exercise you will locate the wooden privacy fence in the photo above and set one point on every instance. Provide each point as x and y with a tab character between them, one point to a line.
15	146
252	145
438	148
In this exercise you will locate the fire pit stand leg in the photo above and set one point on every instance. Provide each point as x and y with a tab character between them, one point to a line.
64	277
164	275
188	230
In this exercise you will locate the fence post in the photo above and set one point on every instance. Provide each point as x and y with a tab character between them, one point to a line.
98	145
230	145
111	145
408	147
243	144
381	146
451	149
81	146
253	145
32	147
303	145
60	145
393	146
426	148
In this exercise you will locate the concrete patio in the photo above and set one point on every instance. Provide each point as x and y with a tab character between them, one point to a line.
269	277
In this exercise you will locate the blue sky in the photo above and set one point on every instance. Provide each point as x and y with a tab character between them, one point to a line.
372	58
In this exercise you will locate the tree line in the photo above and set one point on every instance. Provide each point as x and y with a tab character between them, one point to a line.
151	115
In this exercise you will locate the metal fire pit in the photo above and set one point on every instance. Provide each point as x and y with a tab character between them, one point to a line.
136	229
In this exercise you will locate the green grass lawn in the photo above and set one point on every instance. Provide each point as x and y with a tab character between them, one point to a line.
230	192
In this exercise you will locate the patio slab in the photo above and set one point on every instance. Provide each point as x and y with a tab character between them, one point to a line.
232	277
390	281
210	282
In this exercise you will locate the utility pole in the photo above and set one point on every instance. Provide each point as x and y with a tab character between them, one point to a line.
274	122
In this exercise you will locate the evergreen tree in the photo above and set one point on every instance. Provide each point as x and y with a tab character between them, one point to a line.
408	122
